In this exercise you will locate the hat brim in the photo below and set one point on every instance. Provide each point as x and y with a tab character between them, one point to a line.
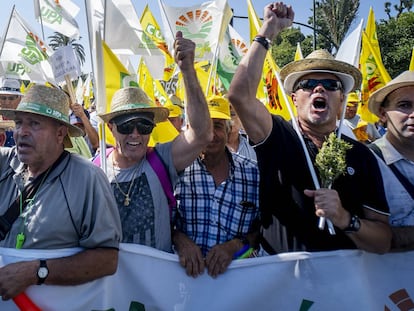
11	93
160	113
73	130
377	98
349	75
219	115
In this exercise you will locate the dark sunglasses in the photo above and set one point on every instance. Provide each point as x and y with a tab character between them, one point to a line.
310	84
144	127
11	97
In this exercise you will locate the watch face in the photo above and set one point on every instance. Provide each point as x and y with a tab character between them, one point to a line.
42	272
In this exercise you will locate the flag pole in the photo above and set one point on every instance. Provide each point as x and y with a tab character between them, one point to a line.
312	171
41	20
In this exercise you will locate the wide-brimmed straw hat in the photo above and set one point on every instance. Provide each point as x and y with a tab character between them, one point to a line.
10	86
132	100
219	107
321	61
45	101
377	98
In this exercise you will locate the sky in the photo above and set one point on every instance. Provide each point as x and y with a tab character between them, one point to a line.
302	8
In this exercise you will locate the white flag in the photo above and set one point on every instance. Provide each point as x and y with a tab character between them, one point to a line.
22	46
123	32
205	24
350	49
58	15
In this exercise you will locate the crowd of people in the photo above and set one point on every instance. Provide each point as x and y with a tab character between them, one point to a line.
236	182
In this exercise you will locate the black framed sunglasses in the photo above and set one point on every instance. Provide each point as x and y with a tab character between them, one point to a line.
144	127
310	84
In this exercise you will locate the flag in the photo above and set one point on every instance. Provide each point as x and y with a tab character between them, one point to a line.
23	52
205	24
269	90
298	53
123	32
58	15
154	39
350	49
412	60
231	51
374	74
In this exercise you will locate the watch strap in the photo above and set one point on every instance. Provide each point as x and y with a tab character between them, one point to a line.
354	224
265	42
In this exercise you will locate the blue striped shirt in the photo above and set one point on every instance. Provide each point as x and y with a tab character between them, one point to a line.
211	215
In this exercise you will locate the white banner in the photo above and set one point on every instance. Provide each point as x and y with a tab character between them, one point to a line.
148	279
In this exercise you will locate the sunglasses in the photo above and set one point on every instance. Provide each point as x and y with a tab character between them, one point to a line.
144	127
310	84
12	97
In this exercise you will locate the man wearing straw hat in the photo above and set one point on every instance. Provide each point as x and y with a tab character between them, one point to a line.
141	195
51	199
218	203
10	97
356	214
394	105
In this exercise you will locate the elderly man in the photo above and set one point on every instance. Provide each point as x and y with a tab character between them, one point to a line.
10	97
51	199
218	202
394	105
142	196
318	85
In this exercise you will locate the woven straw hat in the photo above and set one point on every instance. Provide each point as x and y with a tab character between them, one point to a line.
321	61
219	107
5	124
48	102
10	86
130	100
376	99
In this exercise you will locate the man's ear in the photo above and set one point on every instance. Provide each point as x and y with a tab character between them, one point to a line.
383	115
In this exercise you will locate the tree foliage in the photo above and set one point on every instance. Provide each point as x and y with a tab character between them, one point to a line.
58	40
396	41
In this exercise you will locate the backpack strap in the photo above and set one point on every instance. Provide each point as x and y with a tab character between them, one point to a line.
97	159
409	187
159	167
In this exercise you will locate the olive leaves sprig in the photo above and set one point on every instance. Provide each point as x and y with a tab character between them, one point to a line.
330	159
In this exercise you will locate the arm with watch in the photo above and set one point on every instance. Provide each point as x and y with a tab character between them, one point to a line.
85	266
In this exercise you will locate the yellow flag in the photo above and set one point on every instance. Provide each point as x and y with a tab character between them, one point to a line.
412	61
269	91
154	34
164	131
298	53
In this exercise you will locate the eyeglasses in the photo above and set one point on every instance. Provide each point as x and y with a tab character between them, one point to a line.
310	84
144	127
11	97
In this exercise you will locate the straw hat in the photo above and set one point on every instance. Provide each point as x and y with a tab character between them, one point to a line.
10	86
48	102
219	107
5	124
321	61
131	100
377	98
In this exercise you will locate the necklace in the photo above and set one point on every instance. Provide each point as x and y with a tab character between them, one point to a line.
127	199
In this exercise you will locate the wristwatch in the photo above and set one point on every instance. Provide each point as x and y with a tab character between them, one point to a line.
354	224
42	272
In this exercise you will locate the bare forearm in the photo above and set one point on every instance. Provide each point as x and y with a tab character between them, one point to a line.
402	238
83	267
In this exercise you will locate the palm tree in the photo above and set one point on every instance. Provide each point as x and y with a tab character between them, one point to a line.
334	18
58	40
